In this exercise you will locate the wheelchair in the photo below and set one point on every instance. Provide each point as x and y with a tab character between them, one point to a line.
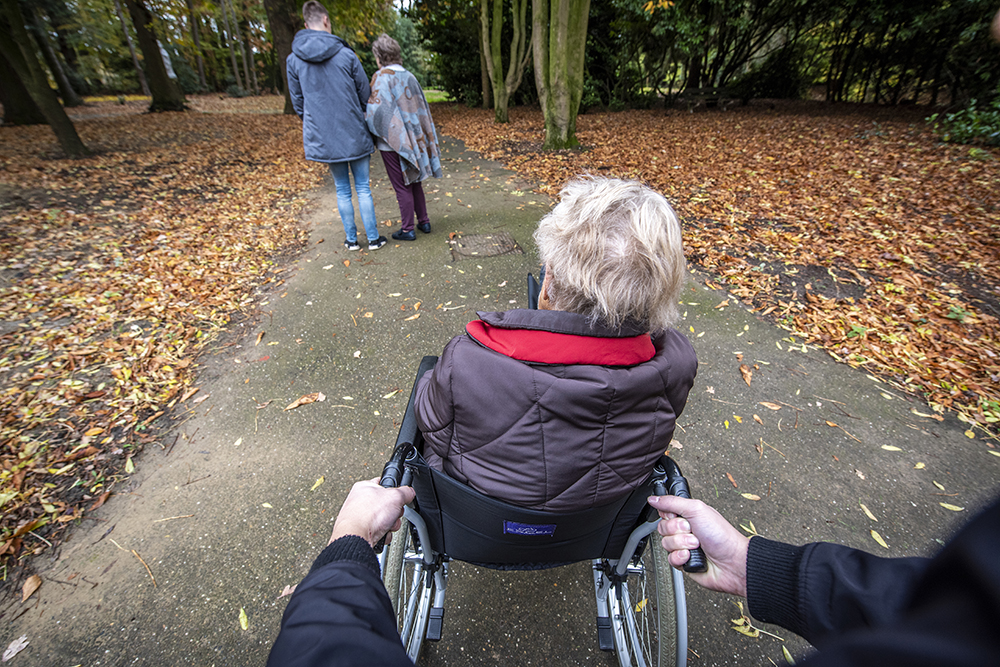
641	608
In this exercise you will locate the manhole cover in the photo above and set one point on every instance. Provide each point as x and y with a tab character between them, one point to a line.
484	245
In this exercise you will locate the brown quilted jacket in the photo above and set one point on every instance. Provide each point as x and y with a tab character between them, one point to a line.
540	409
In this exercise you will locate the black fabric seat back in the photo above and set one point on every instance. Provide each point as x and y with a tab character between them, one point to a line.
469	526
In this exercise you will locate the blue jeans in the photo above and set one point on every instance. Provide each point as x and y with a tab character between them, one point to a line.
345	205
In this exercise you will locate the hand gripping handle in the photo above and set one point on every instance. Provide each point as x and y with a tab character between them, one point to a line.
392	474
676	485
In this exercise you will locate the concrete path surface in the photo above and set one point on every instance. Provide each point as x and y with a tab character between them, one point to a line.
242	498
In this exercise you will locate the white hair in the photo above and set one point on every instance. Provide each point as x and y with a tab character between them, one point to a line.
613	252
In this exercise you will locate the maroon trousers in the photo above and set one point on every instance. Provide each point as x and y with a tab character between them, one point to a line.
410	197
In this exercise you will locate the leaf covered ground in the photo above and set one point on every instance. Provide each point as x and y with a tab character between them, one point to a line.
116	271
851	226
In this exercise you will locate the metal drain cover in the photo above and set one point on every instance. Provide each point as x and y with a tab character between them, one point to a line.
484	245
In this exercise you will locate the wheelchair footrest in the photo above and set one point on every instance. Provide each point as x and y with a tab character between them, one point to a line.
605	637
434	623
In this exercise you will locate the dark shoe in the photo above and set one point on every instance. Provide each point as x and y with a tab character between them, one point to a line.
377	243
352	245
404	236
425	227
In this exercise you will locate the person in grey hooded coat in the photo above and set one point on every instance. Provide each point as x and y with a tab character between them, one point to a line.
329	91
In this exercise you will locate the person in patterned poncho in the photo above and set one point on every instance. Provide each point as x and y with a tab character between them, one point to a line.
400	119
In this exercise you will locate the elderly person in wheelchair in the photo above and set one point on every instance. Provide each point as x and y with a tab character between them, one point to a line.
537	438
569	406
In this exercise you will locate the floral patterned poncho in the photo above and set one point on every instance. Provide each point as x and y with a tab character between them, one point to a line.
398	113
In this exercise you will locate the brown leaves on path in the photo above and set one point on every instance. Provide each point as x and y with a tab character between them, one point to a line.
117	270
850	226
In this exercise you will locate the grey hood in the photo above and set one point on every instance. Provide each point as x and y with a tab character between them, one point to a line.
316	46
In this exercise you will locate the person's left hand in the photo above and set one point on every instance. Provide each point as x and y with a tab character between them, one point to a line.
370	511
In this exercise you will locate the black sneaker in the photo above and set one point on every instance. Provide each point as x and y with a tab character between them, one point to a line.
425	227
377	243
351	245
404	236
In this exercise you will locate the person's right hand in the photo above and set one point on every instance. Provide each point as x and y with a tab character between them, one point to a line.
370	511
687	524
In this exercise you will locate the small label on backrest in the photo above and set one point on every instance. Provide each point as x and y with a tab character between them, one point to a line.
515	528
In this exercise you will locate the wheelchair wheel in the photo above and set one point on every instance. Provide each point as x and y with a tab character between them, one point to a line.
649	606
410	588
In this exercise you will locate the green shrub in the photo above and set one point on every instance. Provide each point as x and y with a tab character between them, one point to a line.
971	125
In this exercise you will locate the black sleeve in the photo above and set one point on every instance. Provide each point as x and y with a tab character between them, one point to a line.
340	614
821	590
866	611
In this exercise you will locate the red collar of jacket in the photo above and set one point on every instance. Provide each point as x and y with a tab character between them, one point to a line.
548	347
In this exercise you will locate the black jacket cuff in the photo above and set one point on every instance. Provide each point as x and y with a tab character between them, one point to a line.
773	582
350	548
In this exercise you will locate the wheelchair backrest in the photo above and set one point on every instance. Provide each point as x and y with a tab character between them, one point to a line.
467	525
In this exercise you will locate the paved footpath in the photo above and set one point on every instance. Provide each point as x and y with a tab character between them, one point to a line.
243	497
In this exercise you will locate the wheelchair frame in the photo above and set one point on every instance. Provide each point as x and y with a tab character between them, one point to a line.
641	604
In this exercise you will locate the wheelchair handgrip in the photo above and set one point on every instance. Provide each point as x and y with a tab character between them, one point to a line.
676	485
392	472
392	475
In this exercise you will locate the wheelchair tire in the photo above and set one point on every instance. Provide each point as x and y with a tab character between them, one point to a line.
649	603
394	563
410	588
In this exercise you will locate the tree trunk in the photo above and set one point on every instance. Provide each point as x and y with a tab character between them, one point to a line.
18	107
167	95
211	42
504	85
245	29
283	18
559	35
62	20
37	26
131	48
196	37
232	45
238	36
484	73
16	47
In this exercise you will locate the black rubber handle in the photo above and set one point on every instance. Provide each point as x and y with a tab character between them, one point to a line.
392	472
678	486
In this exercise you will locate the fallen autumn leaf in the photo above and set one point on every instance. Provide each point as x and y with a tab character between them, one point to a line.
31	584
314	397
